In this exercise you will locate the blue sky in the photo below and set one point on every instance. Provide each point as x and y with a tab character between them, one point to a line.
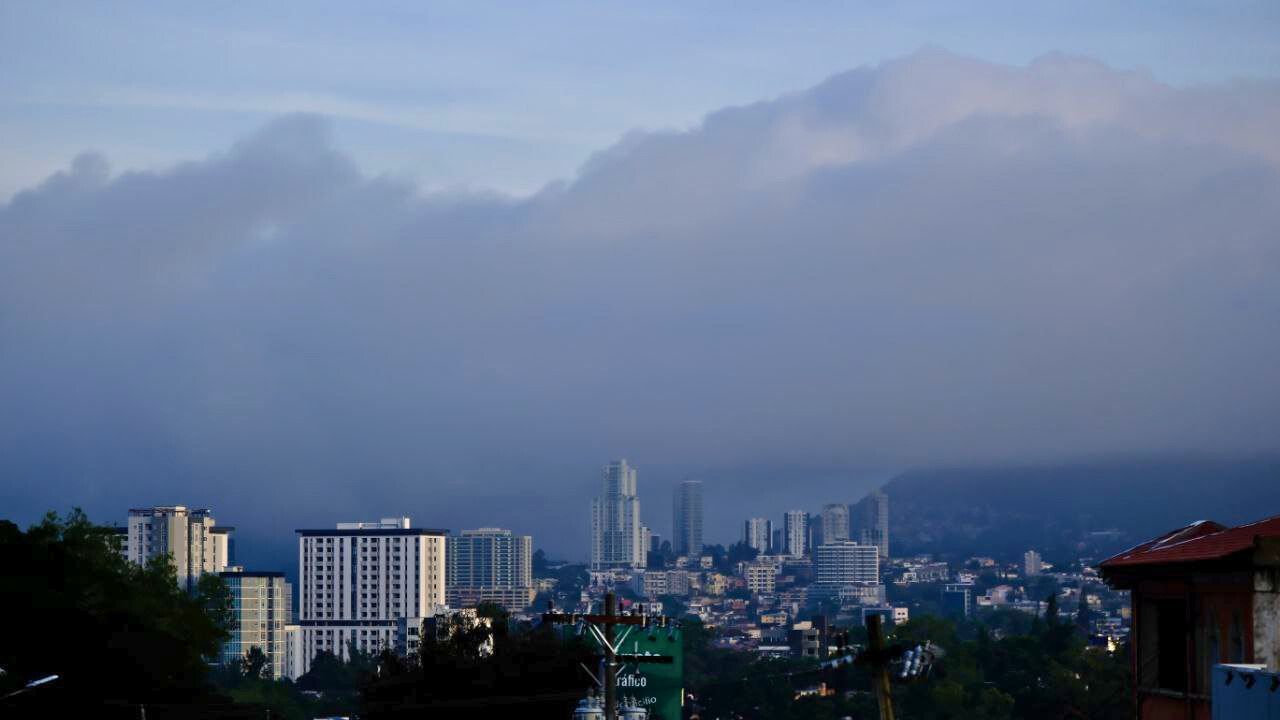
509	96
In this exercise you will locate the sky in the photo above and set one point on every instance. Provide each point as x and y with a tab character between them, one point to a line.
305	266
510	96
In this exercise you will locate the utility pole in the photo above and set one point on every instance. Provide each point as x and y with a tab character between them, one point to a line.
610	660
603	628
879	666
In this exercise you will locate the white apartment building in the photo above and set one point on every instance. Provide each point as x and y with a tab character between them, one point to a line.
617	541
190	537
795	533
835	523
293	651
1032	564
843	564
489	565
650	583
358	580
760	577
757	533
653	584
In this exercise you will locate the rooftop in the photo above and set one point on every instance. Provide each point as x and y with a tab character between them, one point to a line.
370	531
1198	542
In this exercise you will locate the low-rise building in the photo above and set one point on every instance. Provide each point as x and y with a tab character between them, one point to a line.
808	639
714	583
861	594
760	577
1200	595
957	599
774	617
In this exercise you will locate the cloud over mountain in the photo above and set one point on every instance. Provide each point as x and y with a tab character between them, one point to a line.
932	260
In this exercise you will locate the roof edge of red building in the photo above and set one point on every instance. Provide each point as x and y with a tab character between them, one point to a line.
1200	541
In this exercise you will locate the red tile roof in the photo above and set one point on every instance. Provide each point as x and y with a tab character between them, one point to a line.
1204	540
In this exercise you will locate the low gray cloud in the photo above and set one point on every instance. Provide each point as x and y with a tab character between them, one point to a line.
935	260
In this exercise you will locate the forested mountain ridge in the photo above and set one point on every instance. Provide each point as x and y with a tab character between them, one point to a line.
1073	509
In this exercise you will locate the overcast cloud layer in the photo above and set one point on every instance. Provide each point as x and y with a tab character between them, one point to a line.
935	260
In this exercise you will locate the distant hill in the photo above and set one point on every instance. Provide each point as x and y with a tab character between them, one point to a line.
1066	510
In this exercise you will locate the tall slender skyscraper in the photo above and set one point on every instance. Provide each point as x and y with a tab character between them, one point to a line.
687	518
795	533
873	522
617	537
757	533
835	523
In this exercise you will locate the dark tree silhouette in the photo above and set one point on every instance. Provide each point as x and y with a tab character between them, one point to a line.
254	664
115	633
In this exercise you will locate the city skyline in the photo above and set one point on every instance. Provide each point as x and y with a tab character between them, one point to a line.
738	359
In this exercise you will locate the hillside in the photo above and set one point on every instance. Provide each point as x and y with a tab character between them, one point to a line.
1066	510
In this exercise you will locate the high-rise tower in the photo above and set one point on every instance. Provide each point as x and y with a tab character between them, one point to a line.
190	537
358	580
687	518
835	523
795	533
873	522
617	537
757	533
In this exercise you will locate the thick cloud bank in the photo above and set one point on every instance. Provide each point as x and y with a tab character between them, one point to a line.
933	260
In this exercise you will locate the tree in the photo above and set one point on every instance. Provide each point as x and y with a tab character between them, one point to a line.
535	670
137	636
328	674
740	552
1083	614
673	606
215	597
254	664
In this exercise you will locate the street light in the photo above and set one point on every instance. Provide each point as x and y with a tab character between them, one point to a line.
33	684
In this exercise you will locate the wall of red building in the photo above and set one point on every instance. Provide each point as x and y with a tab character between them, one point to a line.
1223	598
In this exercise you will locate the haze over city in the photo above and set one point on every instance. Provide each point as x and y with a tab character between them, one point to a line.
443	265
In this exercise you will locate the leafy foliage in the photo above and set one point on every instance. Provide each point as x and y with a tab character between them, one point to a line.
114	632
1043	672
531	669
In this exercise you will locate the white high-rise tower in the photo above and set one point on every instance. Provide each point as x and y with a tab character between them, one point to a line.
795	533
359	581
757	533
190	537
835	523
617	537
